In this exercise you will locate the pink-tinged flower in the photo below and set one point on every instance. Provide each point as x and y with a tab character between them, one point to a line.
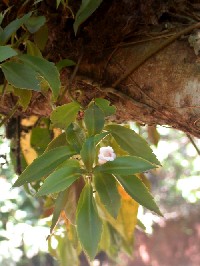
106	154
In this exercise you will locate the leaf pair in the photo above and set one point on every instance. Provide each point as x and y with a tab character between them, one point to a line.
44	165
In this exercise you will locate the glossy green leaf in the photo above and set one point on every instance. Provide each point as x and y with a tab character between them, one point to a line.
89	225
88	153
125	165
12	27
72	196
106	187
6	52
32	49
21	76
132	143
94	120
41	37
59	180
33	24
64	63
57	142
104	105
64	115
24	97
86	9
46	69
75	136
138	191
44	165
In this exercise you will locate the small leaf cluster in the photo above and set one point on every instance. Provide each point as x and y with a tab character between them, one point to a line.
26	70
92	195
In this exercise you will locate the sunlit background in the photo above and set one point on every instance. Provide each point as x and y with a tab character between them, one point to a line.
23	233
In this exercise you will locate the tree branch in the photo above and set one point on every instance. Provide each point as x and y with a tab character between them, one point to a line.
153	52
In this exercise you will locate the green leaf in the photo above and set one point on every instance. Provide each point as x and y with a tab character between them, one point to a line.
64	115
75	136
94	119
6	52
86	9
12	27
21	76
40	138
99	137
132	143
59	180
24	97
88	153
46	69
33	24
70	163
104	105
58	3
44	165
89	225
125	165
106	187
32	49
141	225
57	142
64	63
41	37
138	191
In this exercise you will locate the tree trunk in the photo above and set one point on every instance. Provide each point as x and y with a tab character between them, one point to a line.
163	86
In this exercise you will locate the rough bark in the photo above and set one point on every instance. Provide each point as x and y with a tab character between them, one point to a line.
163	90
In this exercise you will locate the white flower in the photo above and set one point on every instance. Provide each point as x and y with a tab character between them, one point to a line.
106	154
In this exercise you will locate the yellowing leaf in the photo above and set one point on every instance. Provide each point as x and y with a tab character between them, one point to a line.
127	217
153	135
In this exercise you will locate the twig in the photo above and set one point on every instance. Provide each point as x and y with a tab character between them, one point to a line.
193	143
153	52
